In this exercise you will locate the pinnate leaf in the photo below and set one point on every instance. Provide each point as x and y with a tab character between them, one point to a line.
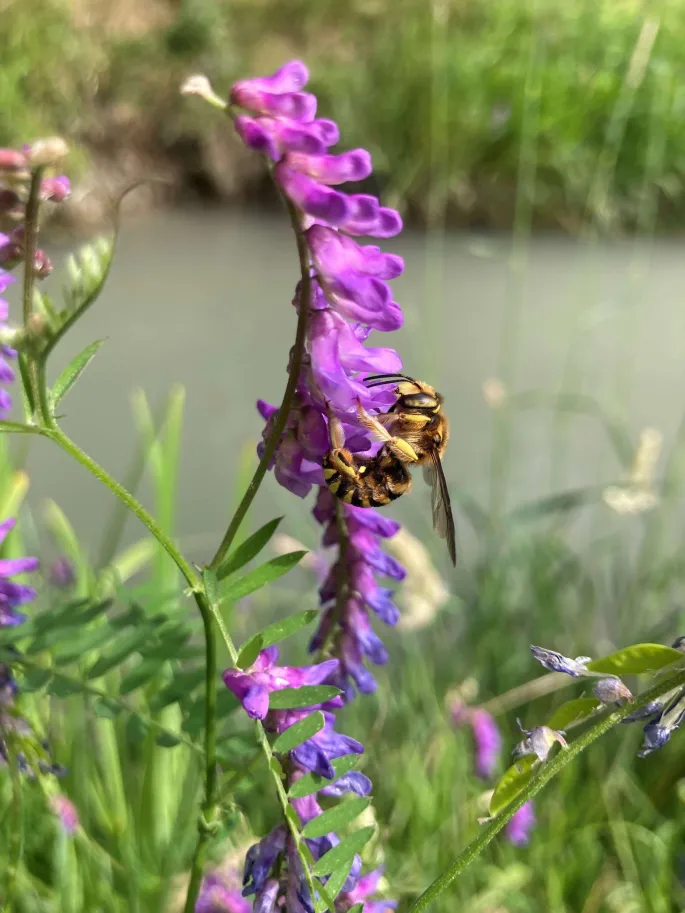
344	852
249	652
572	712
312	783
306	696
336	818
73	371
248	549
299	732
513	781
636	659
279	630
266	573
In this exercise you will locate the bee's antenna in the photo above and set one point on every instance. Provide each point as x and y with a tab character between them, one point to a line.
380	379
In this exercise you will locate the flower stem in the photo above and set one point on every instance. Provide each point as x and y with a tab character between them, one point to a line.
547	771
288	396
55	433
30	240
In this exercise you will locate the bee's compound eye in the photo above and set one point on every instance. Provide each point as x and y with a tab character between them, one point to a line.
419	401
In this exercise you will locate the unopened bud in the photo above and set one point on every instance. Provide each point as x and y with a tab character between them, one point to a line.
55	190
643	713
48	151
200	85
555	662
655	737
611	691
539	742
42	265
12	160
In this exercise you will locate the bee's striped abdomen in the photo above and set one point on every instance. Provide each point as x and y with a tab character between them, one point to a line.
377	482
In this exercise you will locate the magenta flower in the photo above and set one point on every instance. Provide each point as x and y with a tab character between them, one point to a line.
216	896
13	594
252	687
66	813
365	887
520	825
486	736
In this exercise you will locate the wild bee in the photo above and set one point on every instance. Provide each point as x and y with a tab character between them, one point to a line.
413	431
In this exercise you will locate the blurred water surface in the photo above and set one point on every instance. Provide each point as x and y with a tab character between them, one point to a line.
202	298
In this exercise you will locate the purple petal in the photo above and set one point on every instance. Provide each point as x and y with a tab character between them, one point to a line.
256	702
310	196
291	77
5	528
354	165
353	782
11	566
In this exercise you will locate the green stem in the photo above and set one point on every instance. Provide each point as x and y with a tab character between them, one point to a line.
55	433
288	395
16	835
546	772
30	241
209	805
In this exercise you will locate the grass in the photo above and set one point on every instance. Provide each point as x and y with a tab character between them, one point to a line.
445	120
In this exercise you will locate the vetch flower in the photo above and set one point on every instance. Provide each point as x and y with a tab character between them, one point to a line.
518	828
486	736
555	662
611	691
62	574
253	686
13	594
66	813
539	741
659	731
367	885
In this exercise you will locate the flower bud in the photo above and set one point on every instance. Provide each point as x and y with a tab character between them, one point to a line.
55	190
679	644
539	742
42	265
655	737
611	691
48	151
643	713
12	160
555	662
200	85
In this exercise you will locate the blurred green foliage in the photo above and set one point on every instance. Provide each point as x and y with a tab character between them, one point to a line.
438	91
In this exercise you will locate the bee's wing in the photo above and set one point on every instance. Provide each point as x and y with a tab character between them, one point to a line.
443	521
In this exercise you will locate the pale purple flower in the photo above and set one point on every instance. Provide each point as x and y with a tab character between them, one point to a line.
556	662
486	736
253	686
13	594
366	886
216	896
518	828
66	813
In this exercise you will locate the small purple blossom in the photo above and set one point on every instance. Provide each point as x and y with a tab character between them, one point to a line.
218	896
66	813
366	886
520	825
252	687
486	736
62	574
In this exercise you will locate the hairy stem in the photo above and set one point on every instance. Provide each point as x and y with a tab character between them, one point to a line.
288	395
545	774
55	433
30	241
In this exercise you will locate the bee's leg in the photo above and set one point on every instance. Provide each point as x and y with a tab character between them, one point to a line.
397	445
340	459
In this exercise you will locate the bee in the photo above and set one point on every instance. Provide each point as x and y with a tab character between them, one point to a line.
413	431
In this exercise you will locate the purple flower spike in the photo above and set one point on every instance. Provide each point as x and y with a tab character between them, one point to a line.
488	742
310	196
519	827
260	859
252	687
333	169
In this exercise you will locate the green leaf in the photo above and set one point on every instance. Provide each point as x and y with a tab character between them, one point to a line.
139	675
338	879
636	659
357	908
249	652
64	687
75	647
336	818
35	679
279	630
182	686
209	579
312	783
107	709
167	740
293	817
345	851
572	712
299	732
125	647
266	573
73	371
514	780
248	550
18	428
276	767
306	696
